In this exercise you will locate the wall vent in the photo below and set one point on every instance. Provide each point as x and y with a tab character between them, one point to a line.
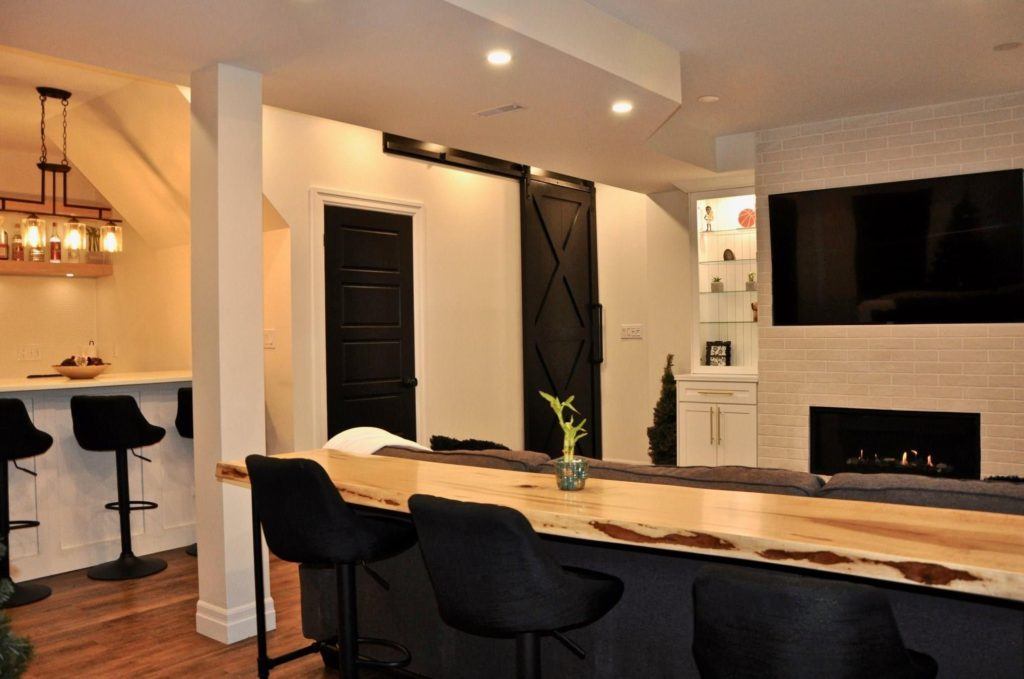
498	110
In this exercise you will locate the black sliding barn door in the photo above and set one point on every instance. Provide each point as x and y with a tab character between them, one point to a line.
562	343
371	370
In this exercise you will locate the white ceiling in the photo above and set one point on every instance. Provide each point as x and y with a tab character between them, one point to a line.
415	67
780	62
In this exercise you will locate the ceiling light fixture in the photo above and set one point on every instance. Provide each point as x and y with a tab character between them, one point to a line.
499	57
708	99
1007	46
622	107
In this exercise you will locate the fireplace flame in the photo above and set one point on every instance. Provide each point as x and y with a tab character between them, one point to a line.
930	464
903	460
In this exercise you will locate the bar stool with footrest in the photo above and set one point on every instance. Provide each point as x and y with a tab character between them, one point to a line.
19	439
306	521
115	423
493	578
183	423
752	623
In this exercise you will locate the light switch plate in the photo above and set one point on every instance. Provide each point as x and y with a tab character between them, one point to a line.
632	331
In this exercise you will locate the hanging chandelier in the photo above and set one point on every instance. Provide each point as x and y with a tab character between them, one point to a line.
77	235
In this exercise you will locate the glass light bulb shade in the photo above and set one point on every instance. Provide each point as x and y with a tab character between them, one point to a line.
74	236
111	240
33	232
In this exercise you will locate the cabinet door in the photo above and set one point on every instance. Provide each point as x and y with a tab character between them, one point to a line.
696	444
736	434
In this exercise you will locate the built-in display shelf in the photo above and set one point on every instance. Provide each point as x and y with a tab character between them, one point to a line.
68	270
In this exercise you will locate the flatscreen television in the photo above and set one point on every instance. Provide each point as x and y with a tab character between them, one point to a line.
942	250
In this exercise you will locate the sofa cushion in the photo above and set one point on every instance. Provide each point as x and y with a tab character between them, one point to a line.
907	489
515	460
749	479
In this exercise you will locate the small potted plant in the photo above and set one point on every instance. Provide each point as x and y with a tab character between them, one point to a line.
717	285
752	282
570	471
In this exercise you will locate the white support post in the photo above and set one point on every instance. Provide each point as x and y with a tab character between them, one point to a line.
227	337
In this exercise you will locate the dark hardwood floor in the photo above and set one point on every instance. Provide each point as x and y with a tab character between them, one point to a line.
146	628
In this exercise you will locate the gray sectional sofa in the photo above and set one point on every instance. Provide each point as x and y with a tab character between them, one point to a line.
648	635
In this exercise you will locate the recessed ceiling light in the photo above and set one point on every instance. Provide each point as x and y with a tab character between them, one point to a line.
499	57
1007	46
622	106
707	99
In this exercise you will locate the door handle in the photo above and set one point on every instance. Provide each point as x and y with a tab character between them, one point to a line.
410	382
597	333
719	411
711	424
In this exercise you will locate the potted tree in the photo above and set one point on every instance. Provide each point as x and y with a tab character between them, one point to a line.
570	471
661	436
717	285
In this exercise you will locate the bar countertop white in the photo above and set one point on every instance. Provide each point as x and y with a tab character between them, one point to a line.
20	384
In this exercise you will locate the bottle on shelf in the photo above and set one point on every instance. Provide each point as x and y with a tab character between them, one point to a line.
17	245
54	244
5	246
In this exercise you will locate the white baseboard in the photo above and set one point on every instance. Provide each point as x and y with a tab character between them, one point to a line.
230	625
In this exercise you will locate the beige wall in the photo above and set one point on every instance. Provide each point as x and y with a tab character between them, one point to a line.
970	368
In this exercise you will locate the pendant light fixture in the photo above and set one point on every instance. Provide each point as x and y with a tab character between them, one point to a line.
76	232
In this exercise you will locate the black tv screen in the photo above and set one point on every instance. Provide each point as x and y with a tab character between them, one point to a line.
944	250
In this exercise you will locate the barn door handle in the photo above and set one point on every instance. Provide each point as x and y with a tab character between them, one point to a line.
597	328
410	382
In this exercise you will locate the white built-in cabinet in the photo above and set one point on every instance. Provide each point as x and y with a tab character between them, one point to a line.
717	420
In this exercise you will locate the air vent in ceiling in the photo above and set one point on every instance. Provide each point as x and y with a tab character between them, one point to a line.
498	110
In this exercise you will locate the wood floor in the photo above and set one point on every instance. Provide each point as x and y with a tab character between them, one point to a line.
146	628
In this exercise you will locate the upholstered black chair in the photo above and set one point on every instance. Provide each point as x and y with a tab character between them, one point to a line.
183	423
752	624
19	439
115	423
306	521
492	577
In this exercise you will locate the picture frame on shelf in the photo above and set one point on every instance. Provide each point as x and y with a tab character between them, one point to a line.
718	353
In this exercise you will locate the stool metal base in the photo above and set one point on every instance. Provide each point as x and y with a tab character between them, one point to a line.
127	567
27	593
192	550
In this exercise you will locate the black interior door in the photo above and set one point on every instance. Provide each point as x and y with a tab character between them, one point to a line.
371	370
562	348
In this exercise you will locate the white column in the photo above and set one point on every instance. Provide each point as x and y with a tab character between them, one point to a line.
227	337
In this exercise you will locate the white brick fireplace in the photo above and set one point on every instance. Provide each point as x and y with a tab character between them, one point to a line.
961	368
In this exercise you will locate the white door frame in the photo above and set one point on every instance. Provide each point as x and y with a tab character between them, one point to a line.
310	361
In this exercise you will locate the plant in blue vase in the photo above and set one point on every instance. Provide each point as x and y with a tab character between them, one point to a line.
570	471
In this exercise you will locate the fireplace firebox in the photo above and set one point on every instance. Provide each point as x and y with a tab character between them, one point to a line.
896	442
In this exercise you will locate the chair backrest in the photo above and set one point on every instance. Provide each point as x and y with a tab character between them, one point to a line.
487	565
304	517
751	623
18	436
183	420
111	423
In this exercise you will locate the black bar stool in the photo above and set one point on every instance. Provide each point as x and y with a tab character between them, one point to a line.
18	439
751	624
492	577
105	423
183	423
306	521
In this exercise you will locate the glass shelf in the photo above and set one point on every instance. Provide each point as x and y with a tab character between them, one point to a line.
727	322
726	232
729	292
727	261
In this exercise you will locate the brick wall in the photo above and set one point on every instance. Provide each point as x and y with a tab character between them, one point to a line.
968	368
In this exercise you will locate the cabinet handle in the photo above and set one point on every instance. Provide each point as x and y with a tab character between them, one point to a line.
715	392
711	424
719	409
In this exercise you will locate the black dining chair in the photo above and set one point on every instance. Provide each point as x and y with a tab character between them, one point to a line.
116	424
755	624
492	577
19	439
306	521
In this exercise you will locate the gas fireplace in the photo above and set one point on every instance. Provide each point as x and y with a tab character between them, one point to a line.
895	442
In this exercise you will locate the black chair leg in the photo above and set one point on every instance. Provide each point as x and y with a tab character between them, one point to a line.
23	593
348	624
528	655
192	550
127	566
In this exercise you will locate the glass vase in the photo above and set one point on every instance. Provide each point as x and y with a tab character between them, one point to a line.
571	472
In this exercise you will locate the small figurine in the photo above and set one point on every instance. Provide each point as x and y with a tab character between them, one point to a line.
753	305
709	216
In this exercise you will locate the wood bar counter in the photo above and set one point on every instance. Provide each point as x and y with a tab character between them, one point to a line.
956	578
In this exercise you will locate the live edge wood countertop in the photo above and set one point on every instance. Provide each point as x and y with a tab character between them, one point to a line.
972	552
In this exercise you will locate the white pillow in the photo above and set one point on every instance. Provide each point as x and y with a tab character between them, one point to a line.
368	440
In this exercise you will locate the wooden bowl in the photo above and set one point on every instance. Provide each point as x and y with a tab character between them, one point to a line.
80	372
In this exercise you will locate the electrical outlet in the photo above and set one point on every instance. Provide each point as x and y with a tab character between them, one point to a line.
270	338
632	331
29	352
